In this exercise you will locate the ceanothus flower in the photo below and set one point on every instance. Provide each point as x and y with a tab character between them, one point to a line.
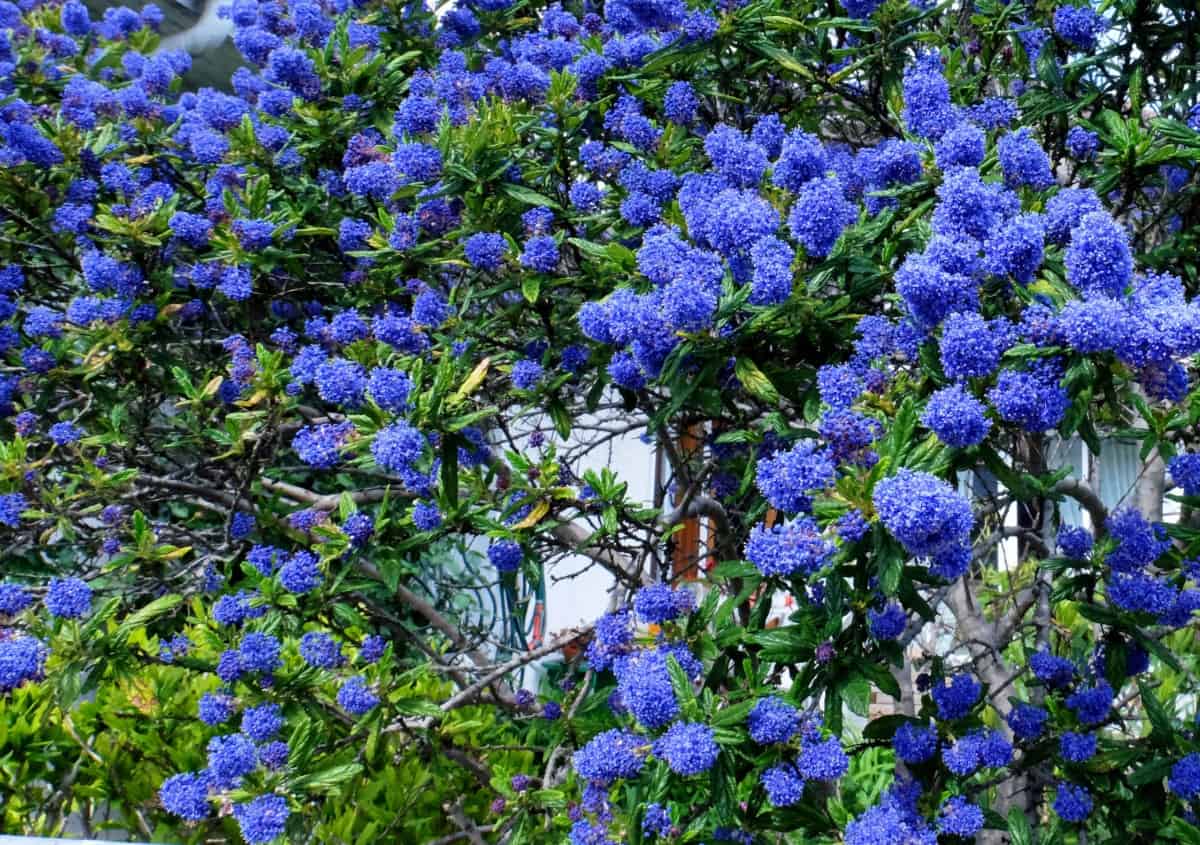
928	111
1017	249
259	652
1066	209
969	206
186	795
964	145
1091	704
263	819
389	388
1072	803
783	784
231	758
610	756
262	723
1184	779
957	418
680	103
820	214
65	433
1079	748
955	696
1055	672
773	720
22	659
321	650
1079	26
959	817
356	698
1027	721
398	447
1139	542
372	649
888	623
915	743
645	686
824	760
923	512
1029	400
688	748
659	603
1075	542
301	573
794	548
526	373
13	599
1098	259
801	158
1185	473
771	282
894	819
993	113
1082	144
656	821
215	708
787	478
426	516
11	507
970	347
1023	161
358	527
68	598
737	158
505	555
730	222
540	254
930	292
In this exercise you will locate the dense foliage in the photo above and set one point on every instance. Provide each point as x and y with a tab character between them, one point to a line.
294	371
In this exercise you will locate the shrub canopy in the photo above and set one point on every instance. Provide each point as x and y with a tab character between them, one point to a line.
301	377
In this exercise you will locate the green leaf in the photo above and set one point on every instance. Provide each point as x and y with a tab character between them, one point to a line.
528	196
755	381
531	286
416	707
891	568
734	714
680	682
885	726
156	608
833	711
1183	831
326	780
786	644
857	695
1150	772
1018	828
1160	722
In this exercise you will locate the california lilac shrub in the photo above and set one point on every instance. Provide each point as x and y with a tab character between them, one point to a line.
307	384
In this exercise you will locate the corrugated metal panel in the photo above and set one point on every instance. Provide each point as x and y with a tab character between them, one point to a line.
1069	453
1119	467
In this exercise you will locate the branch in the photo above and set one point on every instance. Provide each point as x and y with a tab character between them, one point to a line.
462	834
195	489
325	502
468	828
431	615
579	542
1079	490
698	506
470	692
